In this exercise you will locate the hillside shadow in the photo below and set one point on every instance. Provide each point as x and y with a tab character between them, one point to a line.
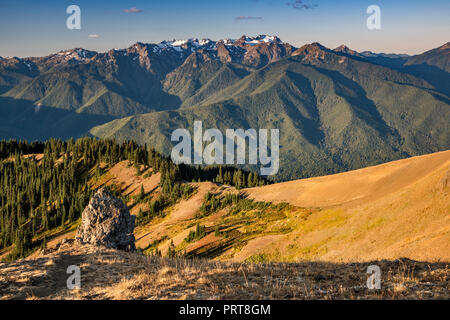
381	61
309	124
22	118
363	107
399	279
46	278
4	89
435	76
438	78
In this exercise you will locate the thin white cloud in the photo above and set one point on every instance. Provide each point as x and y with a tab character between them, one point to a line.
247	18
93	35
301	5
133	10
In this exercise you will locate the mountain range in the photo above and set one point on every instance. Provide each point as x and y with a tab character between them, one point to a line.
336	110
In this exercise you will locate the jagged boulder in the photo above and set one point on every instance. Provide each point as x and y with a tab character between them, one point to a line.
106	221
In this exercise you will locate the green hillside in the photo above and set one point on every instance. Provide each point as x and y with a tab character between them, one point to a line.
332	116
335	110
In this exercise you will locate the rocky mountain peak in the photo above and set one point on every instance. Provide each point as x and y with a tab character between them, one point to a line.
346	50
314	48
444	47
76	54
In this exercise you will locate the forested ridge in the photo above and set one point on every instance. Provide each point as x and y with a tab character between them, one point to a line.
336	110
41	193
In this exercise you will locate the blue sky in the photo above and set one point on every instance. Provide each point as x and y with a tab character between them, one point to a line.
37	28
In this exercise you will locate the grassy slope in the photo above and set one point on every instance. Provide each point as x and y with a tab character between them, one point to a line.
388	211
398	209
111	274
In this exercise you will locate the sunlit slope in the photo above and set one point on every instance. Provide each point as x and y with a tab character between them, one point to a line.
397	209
361	185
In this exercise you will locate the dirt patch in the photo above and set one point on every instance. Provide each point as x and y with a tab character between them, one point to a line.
125	177
182	211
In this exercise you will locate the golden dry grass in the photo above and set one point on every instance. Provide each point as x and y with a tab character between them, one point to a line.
357	186
397	209
110	274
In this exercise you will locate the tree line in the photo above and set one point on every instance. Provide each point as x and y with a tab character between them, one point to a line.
45	185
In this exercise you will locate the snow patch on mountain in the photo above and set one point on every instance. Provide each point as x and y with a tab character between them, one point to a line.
78	54
28	64
194	44
260	39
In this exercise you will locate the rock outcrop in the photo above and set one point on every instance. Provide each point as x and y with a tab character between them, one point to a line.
106	221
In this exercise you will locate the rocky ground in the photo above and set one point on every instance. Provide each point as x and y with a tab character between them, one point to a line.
113	274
